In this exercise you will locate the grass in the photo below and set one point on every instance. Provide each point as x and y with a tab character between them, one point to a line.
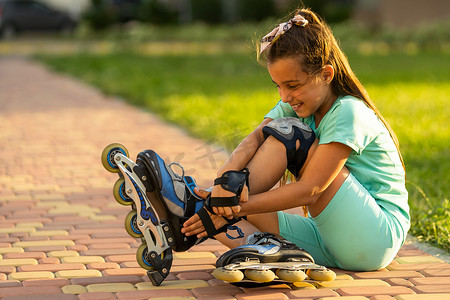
220	97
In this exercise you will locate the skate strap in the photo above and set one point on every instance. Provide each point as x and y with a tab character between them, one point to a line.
233	181
211	229
223	201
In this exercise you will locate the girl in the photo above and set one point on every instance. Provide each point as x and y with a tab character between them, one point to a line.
350	176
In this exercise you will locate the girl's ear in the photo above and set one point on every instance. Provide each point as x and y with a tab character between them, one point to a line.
327	73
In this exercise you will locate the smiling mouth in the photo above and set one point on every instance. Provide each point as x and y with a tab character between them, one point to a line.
296	107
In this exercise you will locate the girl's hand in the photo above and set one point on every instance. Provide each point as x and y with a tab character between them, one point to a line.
194	225
228	211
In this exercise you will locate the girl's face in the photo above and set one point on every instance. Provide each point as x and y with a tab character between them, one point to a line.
307	94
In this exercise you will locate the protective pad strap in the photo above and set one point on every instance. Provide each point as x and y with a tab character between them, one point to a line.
289	131
209	225
233	181
224	201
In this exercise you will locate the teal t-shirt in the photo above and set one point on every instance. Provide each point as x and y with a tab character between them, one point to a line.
374	161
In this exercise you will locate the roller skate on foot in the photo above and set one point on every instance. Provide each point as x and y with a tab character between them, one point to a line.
161	201
267	258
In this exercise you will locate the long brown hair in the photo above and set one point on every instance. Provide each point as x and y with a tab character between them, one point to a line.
315	46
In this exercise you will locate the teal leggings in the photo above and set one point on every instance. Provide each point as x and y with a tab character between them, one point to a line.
353	232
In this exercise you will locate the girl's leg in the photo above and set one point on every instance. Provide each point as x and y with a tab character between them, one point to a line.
266	168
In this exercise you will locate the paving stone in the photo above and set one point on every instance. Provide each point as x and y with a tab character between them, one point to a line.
436	272
97	296
59	282
151	294
431	289
18	262
261	296
399	281
110	287
10	283
180	269
82	259
107	279
346	298
49	233
30	275
419	267
174	284
60	254
424	297
109	252
103	266
193	255
46	248
385	275
373	291
73	289
382	297
7	269
418	259
431	281
78	273
335	284
121	258
11	250
51	267
44	243
15	255
43	297
303	285
125	271
49	260
216	290
24	291
195	275
109	246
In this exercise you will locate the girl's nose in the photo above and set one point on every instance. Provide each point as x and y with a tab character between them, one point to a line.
285	96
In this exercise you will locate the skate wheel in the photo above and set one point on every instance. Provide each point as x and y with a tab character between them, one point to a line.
291	275
228	275
321	275
108	156
260	275
142	257
131	225
120	194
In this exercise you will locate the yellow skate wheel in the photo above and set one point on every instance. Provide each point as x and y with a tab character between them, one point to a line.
108	156
131	225
142	257
321	275
260	275
291	275
228	275
120	194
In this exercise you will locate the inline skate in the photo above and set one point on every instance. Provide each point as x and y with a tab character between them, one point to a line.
161	201
265	253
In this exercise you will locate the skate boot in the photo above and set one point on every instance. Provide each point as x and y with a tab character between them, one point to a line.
265	253
161	201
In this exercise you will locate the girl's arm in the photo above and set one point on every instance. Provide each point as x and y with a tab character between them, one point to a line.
245	150
326	163
237	161
321	172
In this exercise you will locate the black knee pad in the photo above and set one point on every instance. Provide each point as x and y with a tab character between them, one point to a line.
289	131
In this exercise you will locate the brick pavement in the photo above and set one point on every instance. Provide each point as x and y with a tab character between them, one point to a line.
61	232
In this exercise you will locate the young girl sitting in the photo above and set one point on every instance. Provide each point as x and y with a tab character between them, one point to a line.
328	133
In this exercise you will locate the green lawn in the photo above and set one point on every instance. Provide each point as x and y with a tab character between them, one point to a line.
220	97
